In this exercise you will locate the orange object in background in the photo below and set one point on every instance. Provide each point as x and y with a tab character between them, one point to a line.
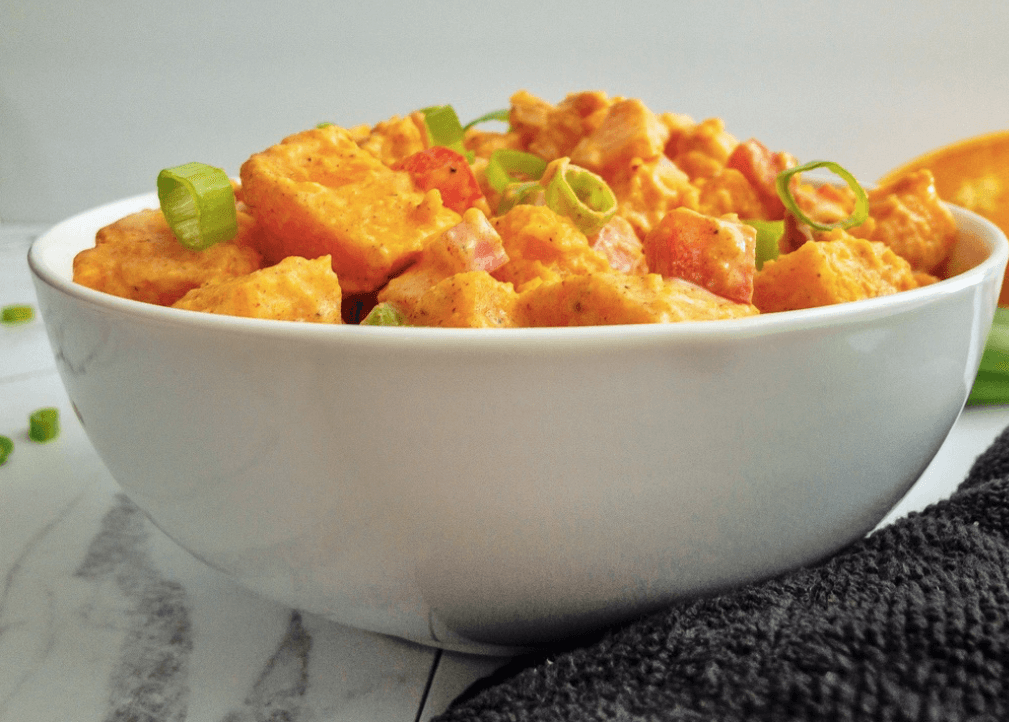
972	173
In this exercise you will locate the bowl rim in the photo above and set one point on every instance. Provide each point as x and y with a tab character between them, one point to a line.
42	248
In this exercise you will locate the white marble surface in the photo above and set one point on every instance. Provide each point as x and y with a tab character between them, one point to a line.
103	618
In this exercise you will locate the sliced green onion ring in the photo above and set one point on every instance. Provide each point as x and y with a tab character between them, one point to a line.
6	447
501	115
199	204
384	314
20	313
529	193
769	234
579	194
858	215
505	163
44	425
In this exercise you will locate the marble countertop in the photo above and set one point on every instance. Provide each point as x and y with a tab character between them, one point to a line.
103	618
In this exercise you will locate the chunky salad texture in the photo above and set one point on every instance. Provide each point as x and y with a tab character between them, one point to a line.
594	210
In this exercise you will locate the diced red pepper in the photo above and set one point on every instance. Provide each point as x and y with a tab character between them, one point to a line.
445	169
761	168
718	254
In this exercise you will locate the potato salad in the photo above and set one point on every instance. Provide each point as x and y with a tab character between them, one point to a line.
593	210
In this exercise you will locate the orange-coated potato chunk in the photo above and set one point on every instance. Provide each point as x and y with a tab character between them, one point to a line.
471	245
821	273
909	217
728	191
552	131
540	242
628	131
473	299
598	299
647	190
395	139
296	289
138	257
318	193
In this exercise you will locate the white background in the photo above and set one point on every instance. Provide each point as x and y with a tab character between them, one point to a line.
96	97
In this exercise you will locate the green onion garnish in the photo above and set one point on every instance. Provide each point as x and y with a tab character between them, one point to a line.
502	115
44	425
580	195
443	127
858	215
989	390
505	164
991	387
769	233
384	314
21	313
199	204
529	193
6	447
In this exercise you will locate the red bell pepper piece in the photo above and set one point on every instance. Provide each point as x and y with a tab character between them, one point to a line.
445	169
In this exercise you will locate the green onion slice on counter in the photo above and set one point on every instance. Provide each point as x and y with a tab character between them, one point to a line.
858	215
6	447
501	115
384	314
44	424
199	204
580	195
506	165
769	233
20	313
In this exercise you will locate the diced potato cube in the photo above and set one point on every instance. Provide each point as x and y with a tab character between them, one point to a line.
729	191
296	289
138	257
647	190
540	242
395	139
317	193
473	299
909	217
471	245
597	299
551	131
821	273
629	130
703	149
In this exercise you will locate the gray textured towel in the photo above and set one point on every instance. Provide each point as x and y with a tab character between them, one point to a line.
910	623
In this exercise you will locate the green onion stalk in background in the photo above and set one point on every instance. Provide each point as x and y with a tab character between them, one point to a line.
991	387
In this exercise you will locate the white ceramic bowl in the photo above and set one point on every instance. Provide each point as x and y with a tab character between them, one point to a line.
485	490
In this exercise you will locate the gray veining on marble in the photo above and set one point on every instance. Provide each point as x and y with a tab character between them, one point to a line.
279	692
102	617
150	679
